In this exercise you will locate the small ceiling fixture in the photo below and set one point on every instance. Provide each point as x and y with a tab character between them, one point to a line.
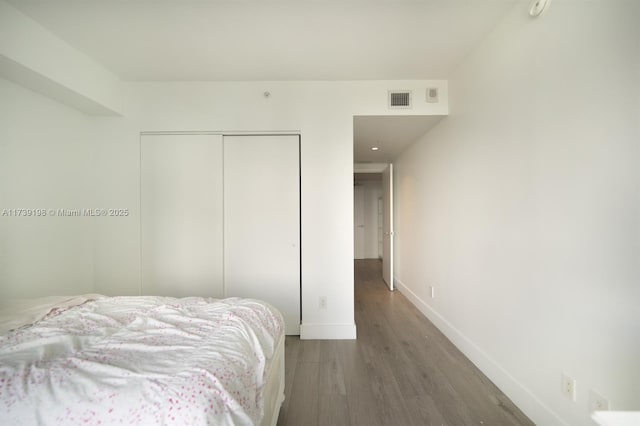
374	148
538	6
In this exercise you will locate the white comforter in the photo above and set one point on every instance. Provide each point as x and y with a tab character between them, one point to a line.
142	361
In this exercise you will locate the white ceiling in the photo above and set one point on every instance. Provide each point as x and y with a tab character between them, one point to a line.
391	134
271	39
264	40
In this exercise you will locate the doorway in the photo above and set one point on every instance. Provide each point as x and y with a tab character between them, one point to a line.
367	190
373	217
377	141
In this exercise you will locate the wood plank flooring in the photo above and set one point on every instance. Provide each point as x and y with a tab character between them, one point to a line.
400	371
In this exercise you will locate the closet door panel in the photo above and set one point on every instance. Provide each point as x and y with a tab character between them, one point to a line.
181	215
262	222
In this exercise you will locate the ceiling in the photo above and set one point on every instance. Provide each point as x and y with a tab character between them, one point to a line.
390	134
269	40
230	40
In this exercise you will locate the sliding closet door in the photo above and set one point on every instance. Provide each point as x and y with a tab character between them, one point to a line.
262	222
181	215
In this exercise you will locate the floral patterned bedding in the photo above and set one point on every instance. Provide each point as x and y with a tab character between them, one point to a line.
140	360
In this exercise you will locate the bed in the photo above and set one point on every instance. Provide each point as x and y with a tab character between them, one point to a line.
95	360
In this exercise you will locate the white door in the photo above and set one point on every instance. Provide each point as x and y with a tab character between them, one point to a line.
262	222
181	215
358	222
387	243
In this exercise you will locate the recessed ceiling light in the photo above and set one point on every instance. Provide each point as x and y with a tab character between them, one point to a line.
374	148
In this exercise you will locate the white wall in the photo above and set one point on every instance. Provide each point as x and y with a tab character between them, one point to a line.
323	114
522	208
108	149
45	163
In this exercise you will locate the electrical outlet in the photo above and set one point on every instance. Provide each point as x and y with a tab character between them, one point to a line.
598	402
569	387
322	302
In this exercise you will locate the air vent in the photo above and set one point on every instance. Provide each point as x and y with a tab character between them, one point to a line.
399	99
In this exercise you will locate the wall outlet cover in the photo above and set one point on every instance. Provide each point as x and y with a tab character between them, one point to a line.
568	387
598	402
322	302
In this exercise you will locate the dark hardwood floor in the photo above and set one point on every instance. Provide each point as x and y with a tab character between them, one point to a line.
400	371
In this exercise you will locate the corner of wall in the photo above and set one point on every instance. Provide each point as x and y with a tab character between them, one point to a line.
36	59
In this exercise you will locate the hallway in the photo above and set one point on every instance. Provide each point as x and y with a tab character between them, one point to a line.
400	371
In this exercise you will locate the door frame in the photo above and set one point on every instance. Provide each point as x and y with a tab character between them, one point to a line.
358	222
387	227
379	168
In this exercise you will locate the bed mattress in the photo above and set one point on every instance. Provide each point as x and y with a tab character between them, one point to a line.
141	360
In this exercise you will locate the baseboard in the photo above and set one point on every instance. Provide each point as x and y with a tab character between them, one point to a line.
327	331
530	405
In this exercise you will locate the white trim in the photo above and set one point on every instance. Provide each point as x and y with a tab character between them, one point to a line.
391	230
327	331
616	418
522	397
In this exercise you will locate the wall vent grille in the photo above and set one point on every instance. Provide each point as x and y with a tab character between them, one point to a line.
399	99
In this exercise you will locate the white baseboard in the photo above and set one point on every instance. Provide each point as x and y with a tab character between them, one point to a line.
327	331
531	406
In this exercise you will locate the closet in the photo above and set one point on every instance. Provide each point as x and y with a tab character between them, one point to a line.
220	217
